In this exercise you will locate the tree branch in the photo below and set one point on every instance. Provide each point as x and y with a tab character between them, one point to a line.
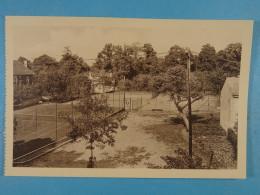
194	100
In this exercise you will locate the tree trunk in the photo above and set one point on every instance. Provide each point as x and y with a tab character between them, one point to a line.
91	158
185	120
182	115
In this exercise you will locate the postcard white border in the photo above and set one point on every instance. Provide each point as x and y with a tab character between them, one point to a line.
240	172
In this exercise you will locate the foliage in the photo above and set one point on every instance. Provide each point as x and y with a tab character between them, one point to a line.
229	59
44	64
62	80
207	58
96	124
29	63
173	82
181	161
25	92
232	138
176	57
141	82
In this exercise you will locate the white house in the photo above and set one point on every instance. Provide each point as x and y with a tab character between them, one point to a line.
97	82
229	103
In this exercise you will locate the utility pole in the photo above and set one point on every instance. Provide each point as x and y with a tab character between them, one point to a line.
124	92
189	103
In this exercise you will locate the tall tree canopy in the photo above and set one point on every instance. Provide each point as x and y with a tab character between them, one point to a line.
229	59
207	59
44	64
176	56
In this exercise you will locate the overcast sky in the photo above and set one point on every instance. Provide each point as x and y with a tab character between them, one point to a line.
33	41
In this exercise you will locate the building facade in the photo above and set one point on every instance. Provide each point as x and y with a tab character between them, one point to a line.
229	103
21	74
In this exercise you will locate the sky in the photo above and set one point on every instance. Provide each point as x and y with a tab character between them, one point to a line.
31	41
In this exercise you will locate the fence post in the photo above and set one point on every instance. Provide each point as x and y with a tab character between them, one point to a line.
130	106
119	99
113	99
36	123
208	102
56	121
72	110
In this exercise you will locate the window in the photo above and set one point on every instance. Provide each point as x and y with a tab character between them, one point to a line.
27	80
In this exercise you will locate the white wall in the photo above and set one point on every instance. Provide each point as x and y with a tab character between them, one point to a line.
228	108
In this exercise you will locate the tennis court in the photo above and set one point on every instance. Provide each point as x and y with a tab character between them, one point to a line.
40	125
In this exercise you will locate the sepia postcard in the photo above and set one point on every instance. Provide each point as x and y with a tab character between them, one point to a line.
118	97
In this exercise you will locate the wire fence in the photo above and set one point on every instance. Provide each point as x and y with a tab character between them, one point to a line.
39	125
126	100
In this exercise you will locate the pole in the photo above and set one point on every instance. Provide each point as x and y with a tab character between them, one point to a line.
72	111
119	99
208	102
113	98
36	123
189	105
124	92
56	121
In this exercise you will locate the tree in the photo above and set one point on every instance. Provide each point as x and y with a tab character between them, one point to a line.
176	56
23	59
207	58
44	64
150	60
71	68
229	59
105	58
173	82
96	123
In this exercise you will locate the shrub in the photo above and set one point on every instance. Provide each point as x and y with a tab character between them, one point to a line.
232	138
181	161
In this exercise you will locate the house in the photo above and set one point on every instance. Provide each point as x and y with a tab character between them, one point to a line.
101	82
229	103
22	75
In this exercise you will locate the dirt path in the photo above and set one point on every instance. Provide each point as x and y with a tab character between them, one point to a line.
134	147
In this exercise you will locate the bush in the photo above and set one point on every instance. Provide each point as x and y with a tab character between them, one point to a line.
141	82
232	138
181	161
125	85
177	120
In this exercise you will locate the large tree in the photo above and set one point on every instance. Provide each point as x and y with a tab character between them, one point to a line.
207	59
173	82
150	60
44	64
176	56
229	59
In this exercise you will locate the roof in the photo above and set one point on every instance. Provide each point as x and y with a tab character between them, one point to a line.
21	69
233	84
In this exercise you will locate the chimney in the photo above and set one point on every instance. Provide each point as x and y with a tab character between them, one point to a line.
25	63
